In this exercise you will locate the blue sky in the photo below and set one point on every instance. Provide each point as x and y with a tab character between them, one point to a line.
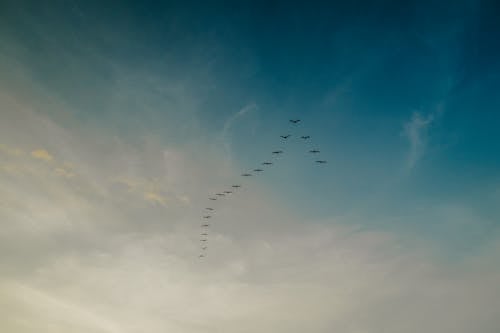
135	111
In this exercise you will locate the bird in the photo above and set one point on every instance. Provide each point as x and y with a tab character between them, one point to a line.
246	175
204	248
203	240
258	170
228	192
267	163
202	256
285	136
314	151
204	234
207	216
305	137
276	152
209	208
205	225
321	162
213	198
294	120
220	194
236	186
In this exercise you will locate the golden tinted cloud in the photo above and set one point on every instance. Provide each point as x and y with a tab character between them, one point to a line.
42	154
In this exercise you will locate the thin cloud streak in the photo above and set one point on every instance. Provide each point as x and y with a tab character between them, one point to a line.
229	123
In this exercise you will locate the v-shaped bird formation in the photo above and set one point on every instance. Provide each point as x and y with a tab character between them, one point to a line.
210	211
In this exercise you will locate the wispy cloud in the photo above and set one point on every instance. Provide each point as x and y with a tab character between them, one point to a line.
42	154
66	173
416	130
155	197
230	122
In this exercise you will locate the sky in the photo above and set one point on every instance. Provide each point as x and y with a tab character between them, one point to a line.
119	119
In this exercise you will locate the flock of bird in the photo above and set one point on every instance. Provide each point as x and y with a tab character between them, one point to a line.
210	211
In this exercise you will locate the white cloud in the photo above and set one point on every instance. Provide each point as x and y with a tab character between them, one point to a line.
42	154
416	131
315	280
229	123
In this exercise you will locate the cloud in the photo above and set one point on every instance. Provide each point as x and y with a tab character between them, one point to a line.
149	190
314	279
231	120
416	131
42	154
18	165
64	173
57	314
155	198
228	124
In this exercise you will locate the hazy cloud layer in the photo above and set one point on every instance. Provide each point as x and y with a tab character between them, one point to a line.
95	240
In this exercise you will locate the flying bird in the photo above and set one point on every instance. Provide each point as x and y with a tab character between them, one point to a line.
203	240
314	151
236	186
204	234
276	152
220	194
204	248
228	192
305	137
258	170
209	208
213	198
205	225
285	136
320	161
267	163
294	120
207	216
246	174
202	256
